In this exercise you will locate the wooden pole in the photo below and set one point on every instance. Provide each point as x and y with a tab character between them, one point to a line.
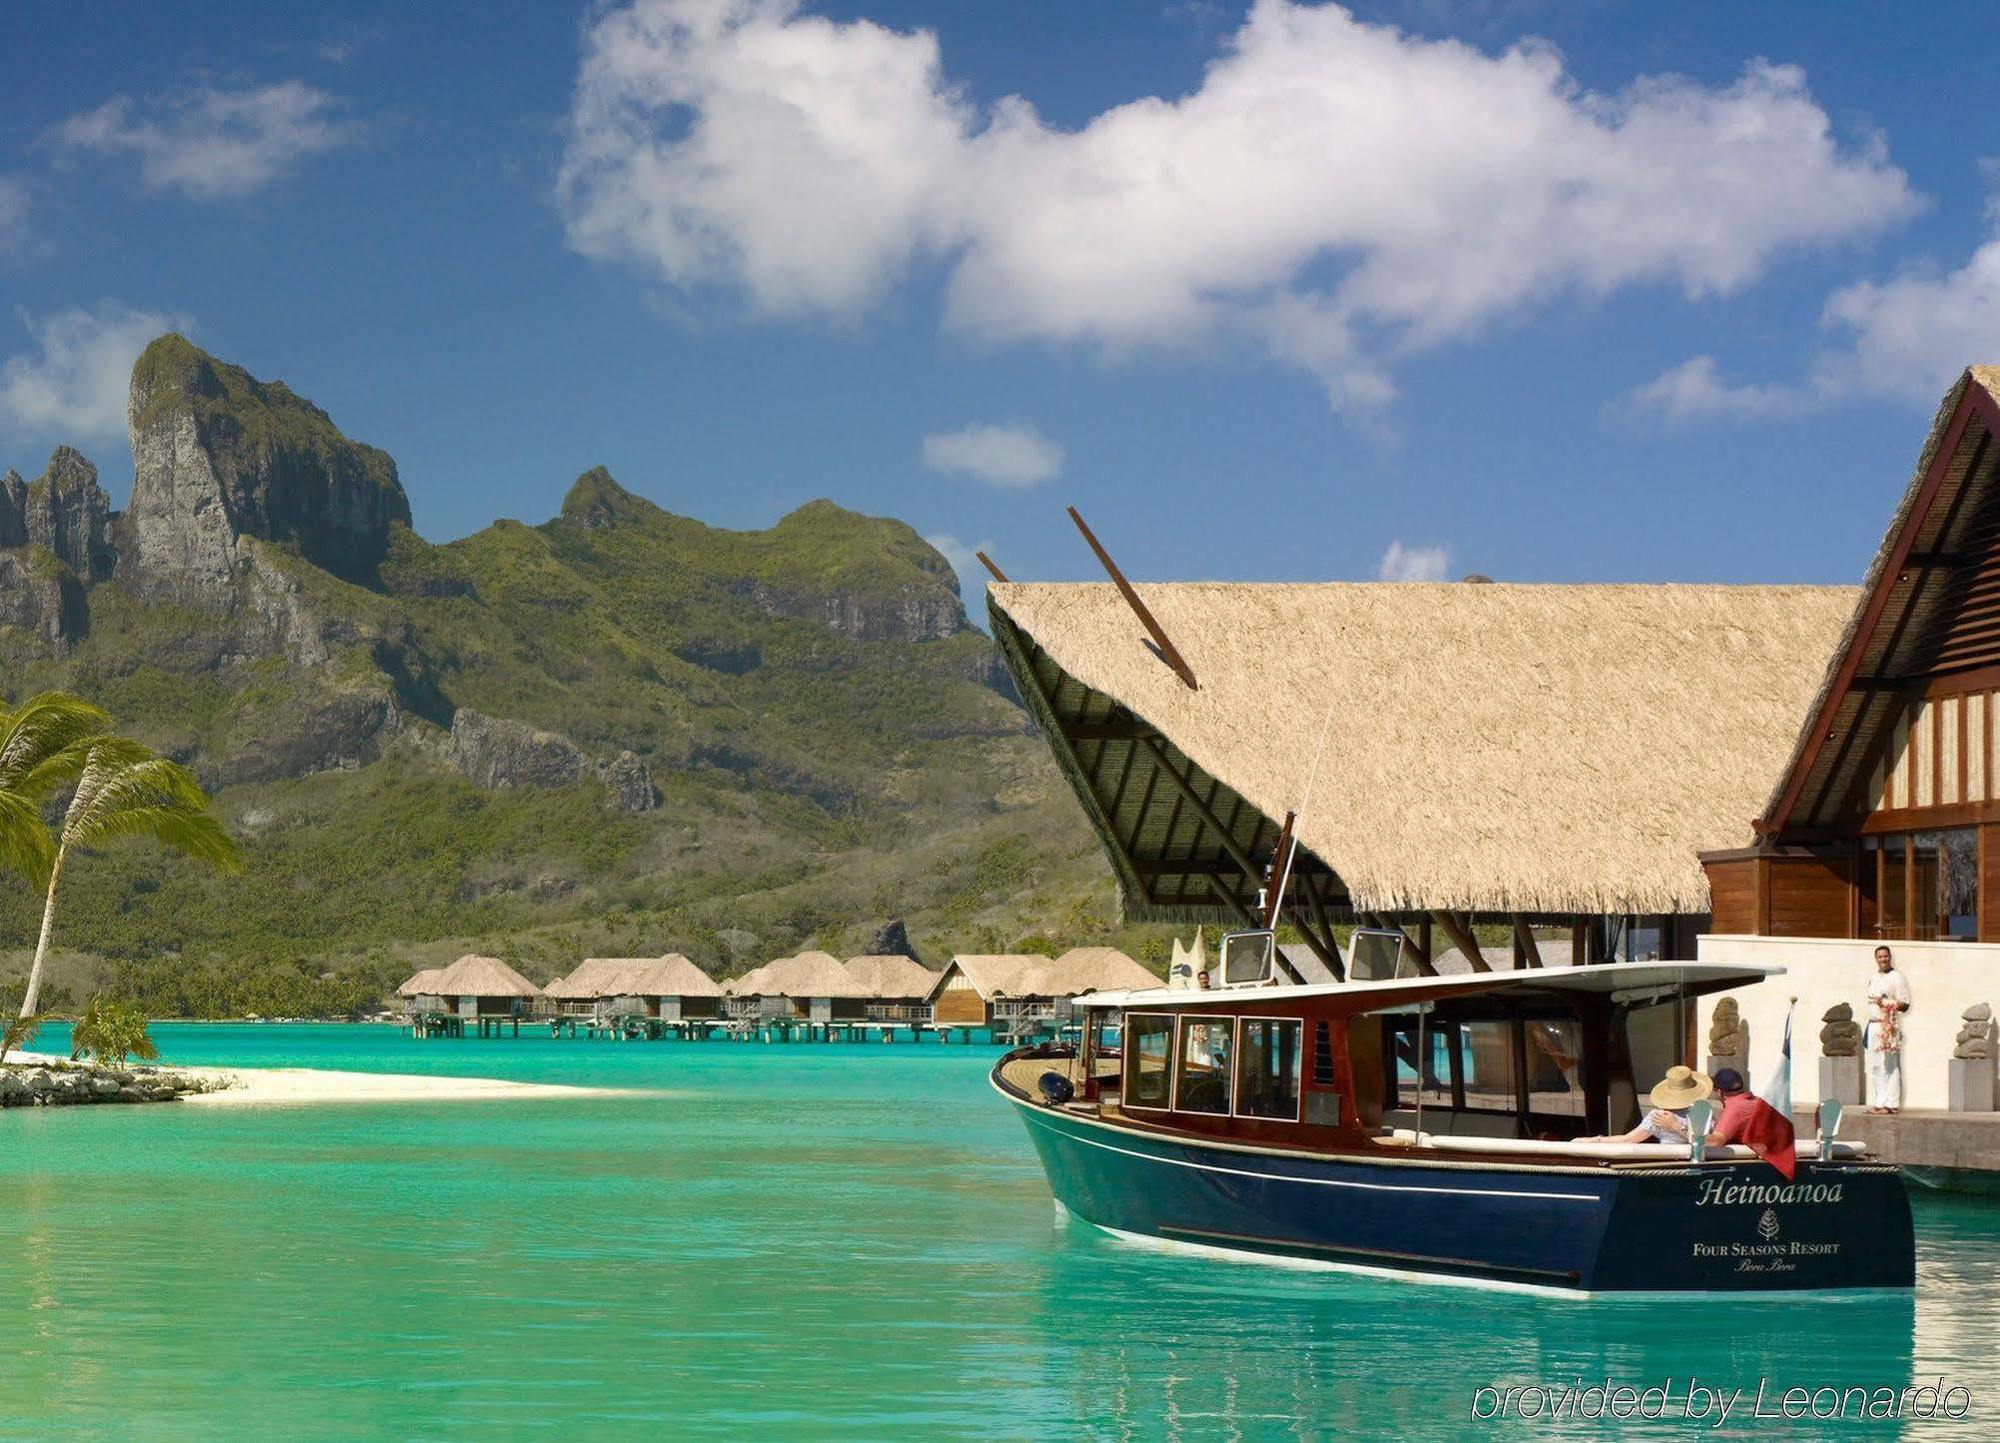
1463	939
987	562
1909	886
1525	947
1169	653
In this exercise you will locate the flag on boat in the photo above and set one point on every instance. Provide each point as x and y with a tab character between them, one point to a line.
1768	1131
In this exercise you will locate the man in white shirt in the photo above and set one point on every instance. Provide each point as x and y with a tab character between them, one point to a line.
1888	1000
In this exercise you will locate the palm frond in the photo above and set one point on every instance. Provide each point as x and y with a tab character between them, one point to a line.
25	843
125	790
191	833
39	728
20	1031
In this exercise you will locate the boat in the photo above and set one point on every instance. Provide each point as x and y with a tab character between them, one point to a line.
1427	1126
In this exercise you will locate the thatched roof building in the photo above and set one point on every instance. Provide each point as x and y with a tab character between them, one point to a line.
1030	975
1500	749
1089	969
747	984
670	976
889	978
588	981
422	984
810	974
476	976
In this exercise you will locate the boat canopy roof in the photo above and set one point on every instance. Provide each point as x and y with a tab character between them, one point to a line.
1618	980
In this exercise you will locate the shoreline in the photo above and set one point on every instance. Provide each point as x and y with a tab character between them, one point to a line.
233	1086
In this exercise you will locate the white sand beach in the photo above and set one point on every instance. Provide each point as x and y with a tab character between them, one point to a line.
279	1086
261	1086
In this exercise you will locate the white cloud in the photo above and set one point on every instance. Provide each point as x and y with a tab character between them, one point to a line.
1012	456
1696	389
1338	193
1911	336
963	558
74	388
211	143
1414	563
1905	339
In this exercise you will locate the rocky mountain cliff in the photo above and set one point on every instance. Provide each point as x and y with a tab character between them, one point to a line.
796	708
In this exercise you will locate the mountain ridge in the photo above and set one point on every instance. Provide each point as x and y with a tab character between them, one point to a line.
264	610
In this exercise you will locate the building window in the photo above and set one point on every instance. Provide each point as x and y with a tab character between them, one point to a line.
1204	1073
1268	1068
1148	1050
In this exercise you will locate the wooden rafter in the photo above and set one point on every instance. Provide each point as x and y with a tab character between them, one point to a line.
1524	941
1463	939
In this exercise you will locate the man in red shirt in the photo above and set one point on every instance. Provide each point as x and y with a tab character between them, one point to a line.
1738	1107
1754	1123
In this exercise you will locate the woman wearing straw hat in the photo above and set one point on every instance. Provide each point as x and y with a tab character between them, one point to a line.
1672	1096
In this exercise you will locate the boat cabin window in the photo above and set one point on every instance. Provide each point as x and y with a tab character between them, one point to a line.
1148	1056
1268	1068
1488	1076
1202	1084
1247	957
1439	1071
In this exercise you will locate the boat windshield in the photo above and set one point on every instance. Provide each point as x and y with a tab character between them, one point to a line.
1246	958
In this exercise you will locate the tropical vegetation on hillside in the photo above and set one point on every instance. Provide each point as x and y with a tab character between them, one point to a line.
621	730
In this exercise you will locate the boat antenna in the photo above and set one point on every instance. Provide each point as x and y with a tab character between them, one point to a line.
1288	839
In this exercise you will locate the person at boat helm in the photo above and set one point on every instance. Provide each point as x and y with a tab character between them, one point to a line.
1671	1097
1738	1106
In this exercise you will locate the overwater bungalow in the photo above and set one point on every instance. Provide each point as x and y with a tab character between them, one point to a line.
893	988
812	985
1008	989
669	987
420	992
578	994
475	986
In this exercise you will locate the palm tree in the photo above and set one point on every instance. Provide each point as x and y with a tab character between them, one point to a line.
41	749
124	790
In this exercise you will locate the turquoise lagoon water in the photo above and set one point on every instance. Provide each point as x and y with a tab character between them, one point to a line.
780	1242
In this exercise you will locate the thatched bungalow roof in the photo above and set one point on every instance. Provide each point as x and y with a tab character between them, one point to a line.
422	984
885	978
1492	748
1926	607
1029	974
587	981
669	976
747	984
1093	969
810	974
992	974
475	976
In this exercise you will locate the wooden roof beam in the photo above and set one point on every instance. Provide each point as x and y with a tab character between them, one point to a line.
1168	652
1193	798
1462	938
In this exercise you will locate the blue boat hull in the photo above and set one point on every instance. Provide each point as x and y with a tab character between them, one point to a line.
1724	1227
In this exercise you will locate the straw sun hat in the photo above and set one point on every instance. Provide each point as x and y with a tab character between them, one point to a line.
1682	1087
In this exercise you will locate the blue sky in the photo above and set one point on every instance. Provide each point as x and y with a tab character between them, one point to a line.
1579	292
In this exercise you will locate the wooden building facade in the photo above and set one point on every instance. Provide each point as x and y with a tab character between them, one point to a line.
1886	822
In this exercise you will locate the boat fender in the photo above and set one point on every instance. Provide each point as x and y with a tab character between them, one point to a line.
1056	1089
